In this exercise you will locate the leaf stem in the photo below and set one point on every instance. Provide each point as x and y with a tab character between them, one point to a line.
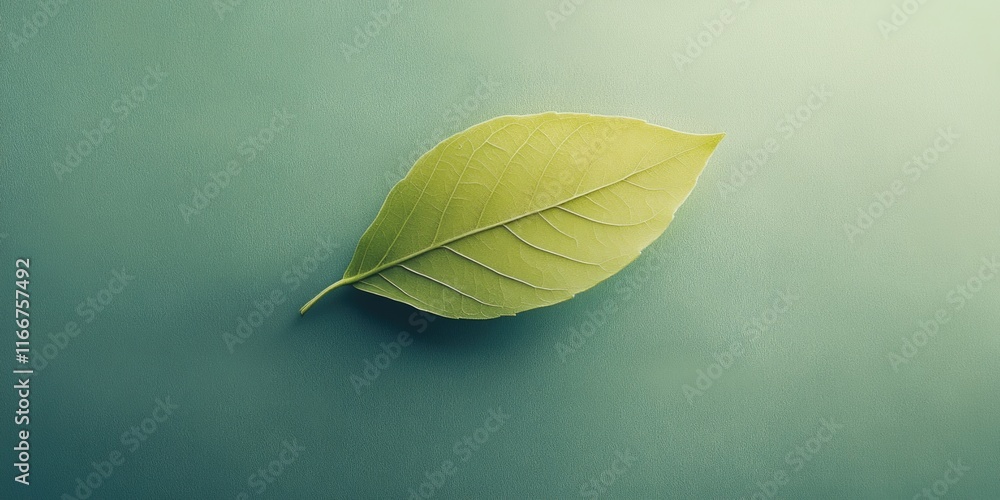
325	291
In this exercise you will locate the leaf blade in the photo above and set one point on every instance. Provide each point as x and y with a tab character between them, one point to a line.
522	212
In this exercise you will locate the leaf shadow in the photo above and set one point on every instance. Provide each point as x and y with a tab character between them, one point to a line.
387	318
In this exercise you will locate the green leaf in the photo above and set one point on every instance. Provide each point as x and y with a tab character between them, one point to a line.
521	212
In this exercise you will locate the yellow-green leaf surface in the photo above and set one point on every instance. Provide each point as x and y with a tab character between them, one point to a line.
521	212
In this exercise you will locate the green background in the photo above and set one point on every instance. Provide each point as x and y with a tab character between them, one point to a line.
722	263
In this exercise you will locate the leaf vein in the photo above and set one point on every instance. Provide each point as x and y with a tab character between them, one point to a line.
439	282
546	250
512	278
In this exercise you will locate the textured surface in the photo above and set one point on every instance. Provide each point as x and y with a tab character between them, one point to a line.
522	212
636	339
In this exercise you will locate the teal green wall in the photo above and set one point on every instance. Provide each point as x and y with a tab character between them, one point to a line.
638	391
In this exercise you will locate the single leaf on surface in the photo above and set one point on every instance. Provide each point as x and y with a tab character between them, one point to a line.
521	212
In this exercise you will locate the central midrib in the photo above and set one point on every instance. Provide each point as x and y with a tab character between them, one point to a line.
359	277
